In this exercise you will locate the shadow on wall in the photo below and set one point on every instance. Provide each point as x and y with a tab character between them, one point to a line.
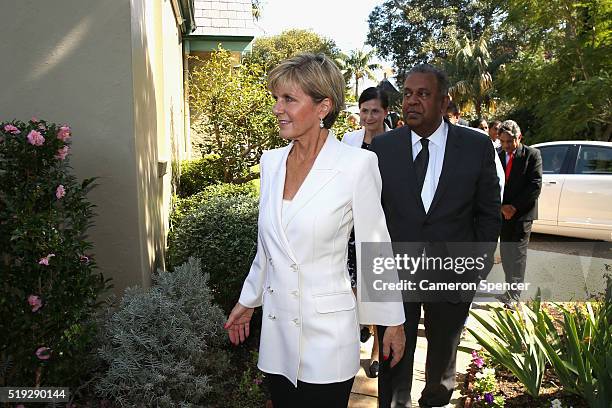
150	184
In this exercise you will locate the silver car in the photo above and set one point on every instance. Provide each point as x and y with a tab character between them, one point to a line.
576	198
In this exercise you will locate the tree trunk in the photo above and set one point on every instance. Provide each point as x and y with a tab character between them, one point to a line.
356	87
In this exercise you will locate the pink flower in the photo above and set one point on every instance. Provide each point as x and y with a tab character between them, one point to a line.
46	259
84	259
12	129
43	353
477	360
60	191
62	153
34	119
64	133
35	138
35	302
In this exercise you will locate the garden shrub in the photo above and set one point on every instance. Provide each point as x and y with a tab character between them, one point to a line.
183	206
222	232
200	173
49	287
164	344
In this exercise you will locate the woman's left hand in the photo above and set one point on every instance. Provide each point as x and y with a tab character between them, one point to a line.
394	341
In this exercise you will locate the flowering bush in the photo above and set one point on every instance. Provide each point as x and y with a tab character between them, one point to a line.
49	287
485	385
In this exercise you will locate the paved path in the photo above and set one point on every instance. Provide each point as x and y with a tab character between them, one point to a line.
365	390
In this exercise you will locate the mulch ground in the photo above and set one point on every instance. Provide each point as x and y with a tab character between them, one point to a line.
514	393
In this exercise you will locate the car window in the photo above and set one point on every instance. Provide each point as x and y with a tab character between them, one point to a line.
594	160
552	158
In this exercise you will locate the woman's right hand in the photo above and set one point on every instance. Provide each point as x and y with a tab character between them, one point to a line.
237	324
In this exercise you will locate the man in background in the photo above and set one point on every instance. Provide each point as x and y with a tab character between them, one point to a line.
523	172
493	134
454	115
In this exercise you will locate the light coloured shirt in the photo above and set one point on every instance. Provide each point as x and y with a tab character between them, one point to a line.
508	156
284	212
437	147
501	174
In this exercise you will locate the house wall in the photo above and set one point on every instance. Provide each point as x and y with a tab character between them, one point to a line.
106	68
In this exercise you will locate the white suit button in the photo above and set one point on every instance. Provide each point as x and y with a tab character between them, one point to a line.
296	321
271	317
270	290
294	267
295	293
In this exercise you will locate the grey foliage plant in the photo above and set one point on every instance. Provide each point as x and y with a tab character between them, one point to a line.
163	344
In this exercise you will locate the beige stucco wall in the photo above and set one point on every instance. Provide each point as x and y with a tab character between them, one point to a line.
101	66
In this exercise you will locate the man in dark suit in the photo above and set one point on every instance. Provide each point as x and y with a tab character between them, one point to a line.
523	169
439	186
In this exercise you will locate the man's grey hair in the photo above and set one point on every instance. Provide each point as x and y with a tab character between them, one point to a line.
441	77
510	127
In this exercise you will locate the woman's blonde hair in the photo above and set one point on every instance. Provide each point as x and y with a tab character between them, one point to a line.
318	77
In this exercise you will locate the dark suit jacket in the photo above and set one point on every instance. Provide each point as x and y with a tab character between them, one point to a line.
525	183
466	205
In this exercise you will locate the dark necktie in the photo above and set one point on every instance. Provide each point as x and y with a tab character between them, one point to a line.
420	163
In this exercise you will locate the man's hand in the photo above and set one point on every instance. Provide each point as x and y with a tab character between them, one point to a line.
394	340
237	324
508	211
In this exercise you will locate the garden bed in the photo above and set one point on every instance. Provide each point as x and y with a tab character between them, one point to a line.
513	392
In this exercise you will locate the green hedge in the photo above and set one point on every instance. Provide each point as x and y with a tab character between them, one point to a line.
222	232
183	206
198	174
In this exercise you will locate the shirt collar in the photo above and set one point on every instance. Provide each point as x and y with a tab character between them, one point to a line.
437	138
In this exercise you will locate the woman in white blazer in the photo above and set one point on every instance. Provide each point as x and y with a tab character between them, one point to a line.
312	193
373	109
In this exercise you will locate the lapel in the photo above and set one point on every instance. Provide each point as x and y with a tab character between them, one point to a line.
322	172
359	138
408	176
502	159
275	203
517	163
452	152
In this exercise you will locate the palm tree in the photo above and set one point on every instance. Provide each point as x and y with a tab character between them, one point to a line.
471	70
356	66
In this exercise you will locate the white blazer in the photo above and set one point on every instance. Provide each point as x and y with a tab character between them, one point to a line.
355	138
310	325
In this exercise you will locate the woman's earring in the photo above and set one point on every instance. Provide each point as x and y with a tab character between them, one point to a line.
321	124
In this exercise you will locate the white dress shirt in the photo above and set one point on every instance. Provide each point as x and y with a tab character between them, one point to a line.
437	147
